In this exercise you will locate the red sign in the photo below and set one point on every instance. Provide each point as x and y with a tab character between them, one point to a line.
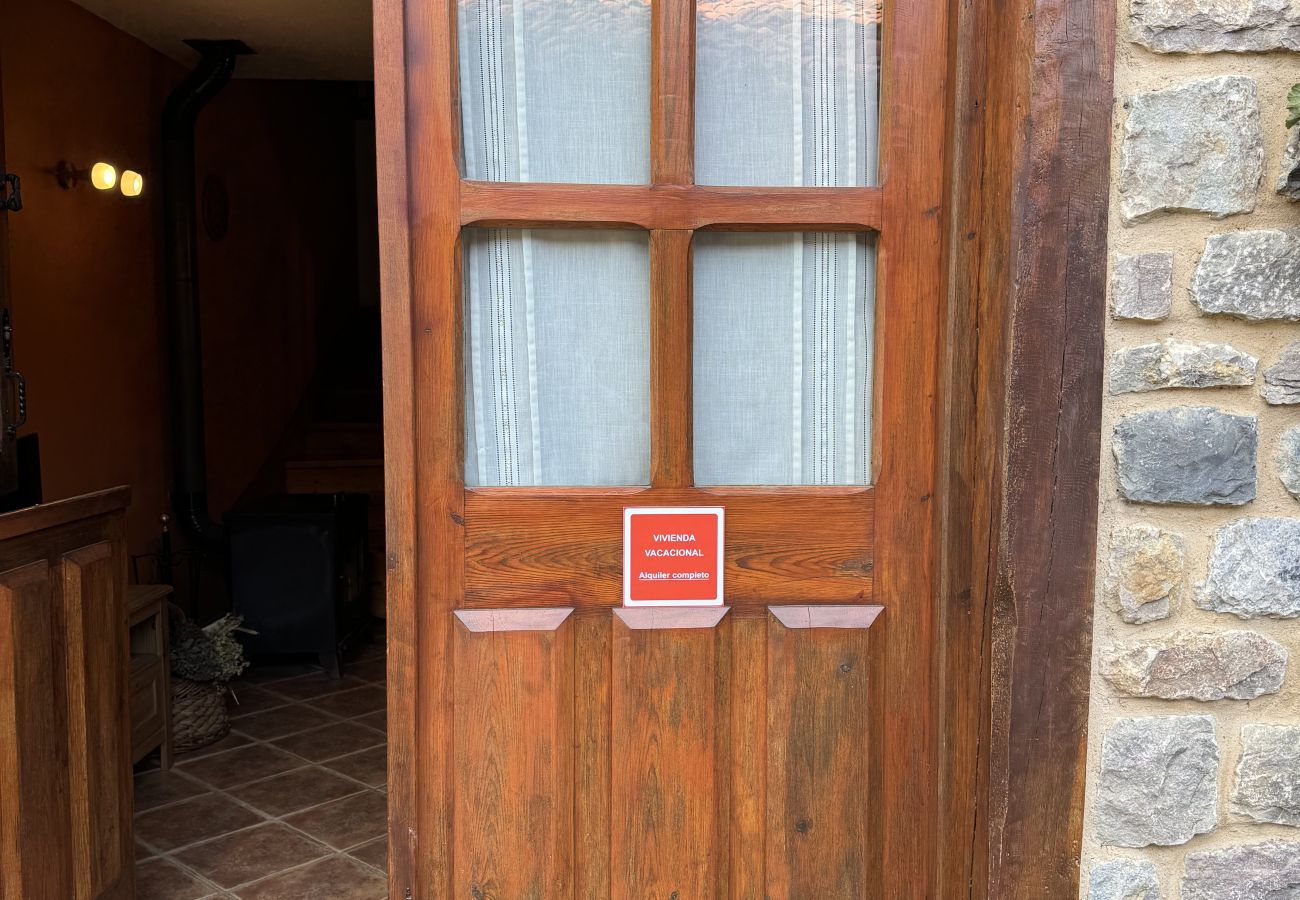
672	556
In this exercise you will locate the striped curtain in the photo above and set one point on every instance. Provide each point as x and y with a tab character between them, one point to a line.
557	334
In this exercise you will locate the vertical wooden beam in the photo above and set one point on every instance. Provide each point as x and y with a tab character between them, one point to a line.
748	769
672	161
914	102
399	441
1030	192
592	755
984	126
672	92
1043	590
671	424
91	613
419	151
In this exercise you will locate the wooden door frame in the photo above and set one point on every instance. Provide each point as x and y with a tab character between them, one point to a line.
1028	137
1031	137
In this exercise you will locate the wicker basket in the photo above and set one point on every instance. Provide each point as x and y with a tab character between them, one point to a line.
199	715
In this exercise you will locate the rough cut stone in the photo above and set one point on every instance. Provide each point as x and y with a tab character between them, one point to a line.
1212	26
1288	460
1229	665
1158	781
1268	871
1189	454
1254	569
1146	572
1282	379
1197	146
1252	275
1268	775
1180	364
1288	173
1142	287
1123	879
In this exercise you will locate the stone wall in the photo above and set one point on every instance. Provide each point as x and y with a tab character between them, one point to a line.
1194	761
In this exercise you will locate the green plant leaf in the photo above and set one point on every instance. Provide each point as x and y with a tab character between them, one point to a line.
1293	106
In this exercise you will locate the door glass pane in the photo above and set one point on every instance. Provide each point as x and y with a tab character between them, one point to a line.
787	92
557	357
783	358
555	90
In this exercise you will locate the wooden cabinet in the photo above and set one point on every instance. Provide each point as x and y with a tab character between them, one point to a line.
149	668
65	767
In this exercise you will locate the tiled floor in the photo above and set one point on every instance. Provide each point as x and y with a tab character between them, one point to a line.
292	805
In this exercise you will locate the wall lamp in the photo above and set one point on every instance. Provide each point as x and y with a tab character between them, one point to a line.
102	176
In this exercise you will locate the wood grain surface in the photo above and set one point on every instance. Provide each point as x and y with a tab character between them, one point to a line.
514	761
529	548
670	207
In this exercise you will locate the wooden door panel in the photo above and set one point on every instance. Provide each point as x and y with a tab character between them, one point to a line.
34	818
669	695
819	734
563	545
514	753
65	768
94	634
653	753
748	769
593	636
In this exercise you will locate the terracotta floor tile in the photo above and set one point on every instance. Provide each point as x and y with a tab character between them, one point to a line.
369	670
370	767
249	700
352	703
337	878
236	767
191	821
374	648
160	880
250	855
345	823
309	687
293	791
262	675
376	720
229	742
274	723
374	854
142	852
331	742
158	788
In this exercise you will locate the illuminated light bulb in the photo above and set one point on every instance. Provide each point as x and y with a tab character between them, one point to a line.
103	176
132	183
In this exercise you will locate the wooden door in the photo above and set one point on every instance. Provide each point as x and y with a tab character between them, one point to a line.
65	767
546	742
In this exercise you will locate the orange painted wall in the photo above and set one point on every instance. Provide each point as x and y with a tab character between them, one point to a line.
86	278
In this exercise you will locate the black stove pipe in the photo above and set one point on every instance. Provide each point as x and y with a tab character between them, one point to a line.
189	455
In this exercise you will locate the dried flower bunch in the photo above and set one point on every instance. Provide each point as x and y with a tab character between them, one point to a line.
208	653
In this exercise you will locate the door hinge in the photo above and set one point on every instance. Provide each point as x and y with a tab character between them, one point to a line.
11	192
